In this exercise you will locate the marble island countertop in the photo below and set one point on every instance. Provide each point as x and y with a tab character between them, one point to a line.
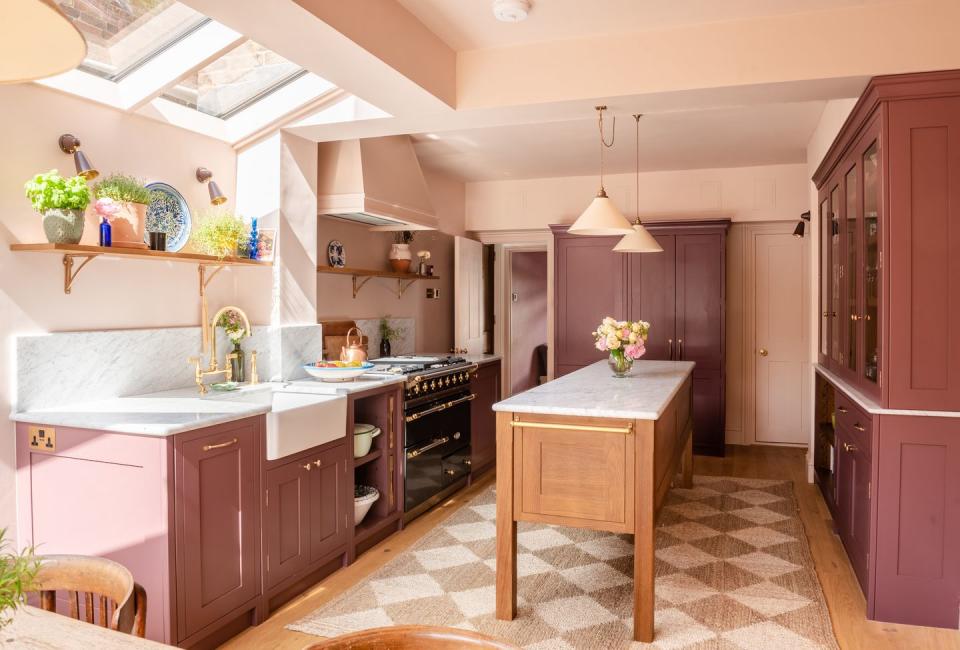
593	391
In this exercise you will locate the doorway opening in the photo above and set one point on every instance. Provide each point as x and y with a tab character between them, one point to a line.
527	310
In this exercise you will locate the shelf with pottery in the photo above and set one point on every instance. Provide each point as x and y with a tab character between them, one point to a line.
85	252
362	276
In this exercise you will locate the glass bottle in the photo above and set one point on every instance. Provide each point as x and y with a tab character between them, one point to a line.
236	365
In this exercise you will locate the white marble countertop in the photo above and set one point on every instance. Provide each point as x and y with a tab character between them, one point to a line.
362	383
594	392
870	405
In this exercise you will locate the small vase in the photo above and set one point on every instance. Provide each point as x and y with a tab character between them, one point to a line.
63	226
384	347
400	257
236	365
620	364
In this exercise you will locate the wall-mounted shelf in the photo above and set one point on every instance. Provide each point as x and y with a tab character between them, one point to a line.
86	253
362	276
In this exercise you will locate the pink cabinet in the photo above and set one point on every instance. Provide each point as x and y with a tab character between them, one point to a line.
485	384
329	499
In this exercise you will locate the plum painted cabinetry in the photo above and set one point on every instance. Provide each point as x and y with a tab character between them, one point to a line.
889	467
485	384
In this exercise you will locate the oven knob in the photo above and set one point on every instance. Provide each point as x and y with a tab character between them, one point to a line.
447	382
456	436
463	376
433	385
416	389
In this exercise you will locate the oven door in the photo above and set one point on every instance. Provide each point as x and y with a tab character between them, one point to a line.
437	446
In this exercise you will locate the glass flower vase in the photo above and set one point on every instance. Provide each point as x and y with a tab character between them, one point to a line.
620	363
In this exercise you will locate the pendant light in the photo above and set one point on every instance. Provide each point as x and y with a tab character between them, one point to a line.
37	40
602	217
638	241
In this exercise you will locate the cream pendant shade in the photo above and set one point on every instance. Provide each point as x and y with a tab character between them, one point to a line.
602	217
37	41
638	241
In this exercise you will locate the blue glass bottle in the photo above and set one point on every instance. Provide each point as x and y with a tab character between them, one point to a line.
254	240
106	237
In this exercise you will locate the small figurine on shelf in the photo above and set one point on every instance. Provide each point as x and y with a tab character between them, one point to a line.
254	245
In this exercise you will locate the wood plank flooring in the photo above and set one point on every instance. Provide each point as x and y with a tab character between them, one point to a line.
844	599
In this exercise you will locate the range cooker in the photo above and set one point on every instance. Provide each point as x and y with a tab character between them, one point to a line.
436	411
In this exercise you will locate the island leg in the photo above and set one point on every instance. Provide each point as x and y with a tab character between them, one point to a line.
687	462
643	539
506	525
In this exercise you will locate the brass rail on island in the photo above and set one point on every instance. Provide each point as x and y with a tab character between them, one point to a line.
627	430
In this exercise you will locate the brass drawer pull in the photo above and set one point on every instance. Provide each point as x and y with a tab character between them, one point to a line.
859	427
841	409
848	447
221	445
574	427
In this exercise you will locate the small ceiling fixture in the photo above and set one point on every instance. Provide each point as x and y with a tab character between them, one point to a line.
640	240
37	40
801	225
71	144
204	175
511	11
602	217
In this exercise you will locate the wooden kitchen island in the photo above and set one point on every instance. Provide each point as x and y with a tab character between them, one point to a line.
589	450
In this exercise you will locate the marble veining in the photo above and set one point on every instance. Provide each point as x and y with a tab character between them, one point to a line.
406	343
593	391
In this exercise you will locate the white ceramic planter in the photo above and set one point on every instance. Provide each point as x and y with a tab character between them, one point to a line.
400	257
362	505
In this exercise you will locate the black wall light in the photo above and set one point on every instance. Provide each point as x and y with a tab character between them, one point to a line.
204	175
801	225
70	144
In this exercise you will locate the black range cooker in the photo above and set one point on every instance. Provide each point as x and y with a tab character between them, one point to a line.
436	411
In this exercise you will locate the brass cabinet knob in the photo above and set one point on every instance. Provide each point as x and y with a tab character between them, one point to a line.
763	352
841	409
854	317
317	463
307	467
859	427
848	447
449	472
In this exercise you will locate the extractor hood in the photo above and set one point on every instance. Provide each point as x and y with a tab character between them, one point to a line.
374	181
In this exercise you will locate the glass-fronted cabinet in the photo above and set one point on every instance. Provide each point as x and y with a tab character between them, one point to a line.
870	234
826	315
836	274
851	269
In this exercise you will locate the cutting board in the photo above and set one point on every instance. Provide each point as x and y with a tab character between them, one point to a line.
335	338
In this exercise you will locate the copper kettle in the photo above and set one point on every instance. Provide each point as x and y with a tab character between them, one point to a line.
353	351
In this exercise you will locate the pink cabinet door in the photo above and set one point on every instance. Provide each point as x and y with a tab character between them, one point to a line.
853	503
483	421
653	297
328	489
286	521
217	511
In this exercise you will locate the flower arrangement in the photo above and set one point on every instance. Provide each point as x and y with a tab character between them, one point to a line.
403	237
123	188
624	340
17	574
221	233
233	326
51	191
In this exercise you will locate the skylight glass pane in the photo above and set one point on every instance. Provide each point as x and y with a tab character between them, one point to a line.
245	74
122	34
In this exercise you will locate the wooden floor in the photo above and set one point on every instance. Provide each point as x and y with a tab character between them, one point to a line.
840	587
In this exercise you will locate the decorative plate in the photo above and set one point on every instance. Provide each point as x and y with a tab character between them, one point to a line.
335	255
168	212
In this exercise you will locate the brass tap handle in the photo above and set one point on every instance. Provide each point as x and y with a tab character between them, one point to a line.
198	374
254	377
228	367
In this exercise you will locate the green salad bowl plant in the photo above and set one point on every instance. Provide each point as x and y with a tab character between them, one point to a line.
62	202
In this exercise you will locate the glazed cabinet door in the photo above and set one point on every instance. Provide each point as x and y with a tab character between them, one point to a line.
286	521
327	487
836	274
653	297
485	384
827	316
852	272
590	284
868	155
217	513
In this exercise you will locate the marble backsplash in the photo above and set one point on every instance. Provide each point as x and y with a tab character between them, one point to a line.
80	366
405	343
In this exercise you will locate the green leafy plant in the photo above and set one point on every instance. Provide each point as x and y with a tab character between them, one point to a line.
403	237
389	333
51	191
17	574
221	233
123	188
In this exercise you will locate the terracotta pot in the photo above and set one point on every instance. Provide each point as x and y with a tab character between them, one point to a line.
127	225
400	257
63	226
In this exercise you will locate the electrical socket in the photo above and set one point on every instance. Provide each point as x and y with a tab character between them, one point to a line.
43	438
433	294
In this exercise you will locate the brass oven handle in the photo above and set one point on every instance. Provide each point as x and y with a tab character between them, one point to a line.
422	450
859	427
670	341
221	445
440	407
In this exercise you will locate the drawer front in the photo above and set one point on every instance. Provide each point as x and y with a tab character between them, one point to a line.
855	421
575	477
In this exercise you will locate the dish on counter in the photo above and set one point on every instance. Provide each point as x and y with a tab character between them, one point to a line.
337	370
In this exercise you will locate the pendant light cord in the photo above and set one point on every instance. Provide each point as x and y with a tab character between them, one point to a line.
636	117
603	144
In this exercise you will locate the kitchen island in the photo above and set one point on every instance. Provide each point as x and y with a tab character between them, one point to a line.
590	450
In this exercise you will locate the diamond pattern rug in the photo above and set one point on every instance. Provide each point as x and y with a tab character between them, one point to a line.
733	570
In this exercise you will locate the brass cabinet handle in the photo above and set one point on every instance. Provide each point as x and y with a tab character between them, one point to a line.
829	314
449	472
317	463
763	352
848	447
679	349
859	427
841	409
670	341
307	467
221	445
854	317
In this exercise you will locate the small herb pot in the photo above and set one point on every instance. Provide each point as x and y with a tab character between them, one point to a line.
63	226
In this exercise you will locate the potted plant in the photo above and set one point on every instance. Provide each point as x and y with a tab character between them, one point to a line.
124	200
387	333
17	574
62	202
222	234
624	340
400	256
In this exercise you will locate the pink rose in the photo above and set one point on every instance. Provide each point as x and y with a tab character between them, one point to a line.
602	344
106	207
636	350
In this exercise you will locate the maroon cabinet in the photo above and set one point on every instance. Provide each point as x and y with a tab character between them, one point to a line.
327	497
217	514
485	384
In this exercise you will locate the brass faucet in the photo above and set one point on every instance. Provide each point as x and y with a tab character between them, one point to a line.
214	367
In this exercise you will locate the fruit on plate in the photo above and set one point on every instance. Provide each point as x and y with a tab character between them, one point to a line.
339	364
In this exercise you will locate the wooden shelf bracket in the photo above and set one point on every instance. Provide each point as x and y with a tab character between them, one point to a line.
401	287
69	274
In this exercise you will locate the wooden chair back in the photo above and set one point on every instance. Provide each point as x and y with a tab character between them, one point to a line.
111	598
413	637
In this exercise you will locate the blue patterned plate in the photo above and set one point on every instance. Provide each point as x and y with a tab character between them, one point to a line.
168	212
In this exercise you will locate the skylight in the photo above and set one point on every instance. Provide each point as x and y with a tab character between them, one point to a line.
122	35
240	77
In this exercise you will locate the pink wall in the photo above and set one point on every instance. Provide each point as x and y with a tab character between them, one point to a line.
528	316
109	294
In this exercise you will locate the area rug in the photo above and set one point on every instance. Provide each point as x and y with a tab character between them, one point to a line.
733	570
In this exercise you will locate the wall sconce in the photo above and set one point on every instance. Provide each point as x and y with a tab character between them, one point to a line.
798	231
71	144
204	175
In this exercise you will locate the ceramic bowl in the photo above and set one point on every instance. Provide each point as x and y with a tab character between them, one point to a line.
362	504
336	374
363	435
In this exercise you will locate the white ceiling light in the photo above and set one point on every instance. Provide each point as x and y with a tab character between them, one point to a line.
602	217
37	41
640	240
511	11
